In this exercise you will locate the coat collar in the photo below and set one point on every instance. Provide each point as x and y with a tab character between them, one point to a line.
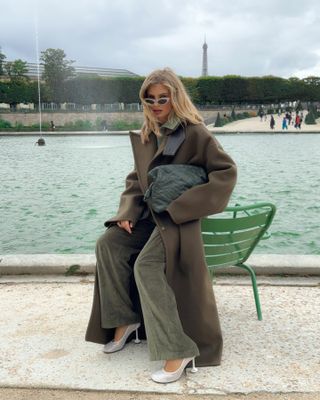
173	128
170	126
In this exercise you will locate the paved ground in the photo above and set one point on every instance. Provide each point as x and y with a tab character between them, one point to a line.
256	125
43	321
47	394
244	126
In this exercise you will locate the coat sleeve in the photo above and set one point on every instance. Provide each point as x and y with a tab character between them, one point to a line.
131	201
213	196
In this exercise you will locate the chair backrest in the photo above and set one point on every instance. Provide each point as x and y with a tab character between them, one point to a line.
230	237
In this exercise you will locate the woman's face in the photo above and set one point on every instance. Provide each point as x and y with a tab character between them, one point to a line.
160	111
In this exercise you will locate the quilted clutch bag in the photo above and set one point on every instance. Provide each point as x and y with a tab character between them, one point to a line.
169	181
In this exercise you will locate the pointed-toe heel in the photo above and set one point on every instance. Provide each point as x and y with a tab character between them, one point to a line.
163	376
118	345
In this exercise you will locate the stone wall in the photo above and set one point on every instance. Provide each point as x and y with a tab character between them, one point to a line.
60	118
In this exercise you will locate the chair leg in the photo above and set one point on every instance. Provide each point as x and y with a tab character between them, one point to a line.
255	289
212	275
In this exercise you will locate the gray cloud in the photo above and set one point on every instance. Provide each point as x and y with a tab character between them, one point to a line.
244	37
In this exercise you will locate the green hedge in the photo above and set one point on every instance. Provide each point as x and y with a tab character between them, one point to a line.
23	92
6	126
124	125
78	125
221	121
86	125
312	115
310	119
230	89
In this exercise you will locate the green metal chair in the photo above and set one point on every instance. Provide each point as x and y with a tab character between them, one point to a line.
231	236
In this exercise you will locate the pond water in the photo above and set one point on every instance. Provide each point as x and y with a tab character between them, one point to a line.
55	199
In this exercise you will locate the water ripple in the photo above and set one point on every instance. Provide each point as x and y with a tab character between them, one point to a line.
55	199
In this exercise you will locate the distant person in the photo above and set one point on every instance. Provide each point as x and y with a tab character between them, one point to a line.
104	125
301	118
300	122
284	123
297	121
289	118
261	115
279	112
52	126
272	122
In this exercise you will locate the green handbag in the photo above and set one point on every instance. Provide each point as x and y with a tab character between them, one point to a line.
169	181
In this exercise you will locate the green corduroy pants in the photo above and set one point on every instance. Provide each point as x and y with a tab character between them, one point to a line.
114	250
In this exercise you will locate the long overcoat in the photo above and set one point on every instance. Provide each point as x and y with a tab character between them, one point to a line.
180	229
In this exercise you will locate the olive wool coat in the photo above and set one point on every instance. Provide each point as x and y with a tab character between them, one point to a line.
180	229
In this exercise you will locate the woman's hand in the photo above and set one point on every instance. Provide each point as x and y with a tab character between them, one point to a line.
127	225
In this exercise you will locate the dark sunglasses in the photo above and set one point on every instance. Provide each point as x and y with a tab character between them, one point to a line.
161	101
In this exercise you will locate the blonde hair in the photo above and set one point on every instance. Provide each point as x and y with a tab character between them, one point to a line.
182	106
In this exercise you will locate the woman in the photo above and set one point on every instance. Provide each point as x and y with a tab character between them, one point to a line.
151	274
272	122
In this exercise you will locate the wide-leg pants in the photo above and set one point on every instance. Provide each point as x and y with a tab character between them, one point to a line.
114	249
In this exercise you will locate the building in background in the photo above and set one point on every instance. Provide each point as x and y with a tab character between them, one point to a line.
83	71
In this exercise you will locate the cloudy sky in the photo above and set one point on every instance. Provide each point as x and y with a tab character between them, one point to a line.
244	37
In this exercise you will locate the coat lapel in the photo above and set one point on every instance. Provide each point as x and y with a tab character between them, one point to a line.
174	141
143	155
148	156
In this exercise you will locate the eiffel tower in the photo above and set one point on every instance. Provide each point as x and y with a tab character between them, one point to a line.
204	59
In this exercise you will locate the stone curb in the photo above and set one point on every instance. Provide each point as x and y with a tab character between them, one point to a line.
65	133
125	133
255	132
78	264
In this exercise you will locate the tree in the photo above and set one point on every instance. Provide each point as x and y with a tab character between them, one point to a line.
218	122
57	70
313	86
15	92
19	89
209	90
310	118
234	89
2	58
299	106
17	70
191	87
